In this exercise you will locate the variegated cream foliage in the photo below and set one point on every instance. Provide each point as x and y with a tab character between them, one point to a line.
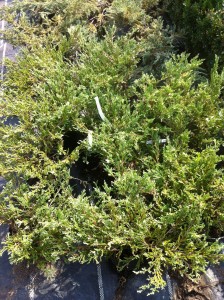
151	118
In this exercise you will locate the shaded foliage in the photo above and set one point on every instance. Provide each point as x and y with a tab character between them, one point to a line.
201	23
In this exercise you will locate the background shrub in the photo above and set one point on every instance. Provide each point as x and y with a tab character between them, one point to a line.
201	23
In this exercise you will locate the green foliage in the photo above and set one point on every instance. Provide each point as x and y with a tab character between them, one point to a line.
159	143
41	21
202	23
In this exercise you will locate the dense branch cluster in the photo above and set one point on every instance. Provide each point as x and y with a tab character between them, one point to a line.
150	172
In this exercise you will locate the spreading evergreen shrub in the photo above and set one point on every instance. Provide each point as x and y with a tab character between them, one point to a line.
156	143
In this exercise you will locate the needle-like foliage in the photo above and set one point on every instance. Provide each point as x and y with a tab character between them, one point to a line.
159	205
